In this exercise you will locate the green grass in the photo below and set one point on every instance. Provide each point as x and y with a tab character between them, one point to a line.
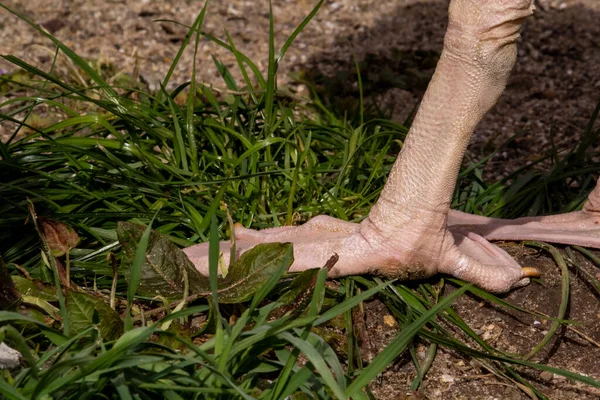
179	167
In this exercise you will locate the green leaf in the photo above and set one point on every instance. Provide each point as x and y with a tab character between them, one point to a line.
163	270
9	391
34	289
253	270
82	307
12	317
317	361
164	267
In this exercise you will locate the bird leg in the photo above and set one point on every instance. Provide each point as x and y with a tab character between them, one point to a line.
406	233
580	228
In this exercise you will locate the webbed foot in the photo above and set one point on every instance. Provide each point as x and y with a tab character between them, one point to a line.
415	250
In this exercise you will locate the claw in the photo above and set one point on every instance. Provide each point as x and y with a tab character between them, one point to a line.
529	272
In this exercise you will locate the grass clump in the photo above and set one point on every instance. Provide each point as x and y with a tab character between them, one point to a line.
93	321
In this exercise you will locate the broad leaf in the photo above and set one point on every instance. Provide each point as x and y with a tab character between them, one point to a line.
61	237
252	270
82	307
35	289
165	268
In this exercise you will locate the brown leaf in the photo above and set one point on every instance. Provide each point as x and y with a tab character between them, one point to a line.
61	238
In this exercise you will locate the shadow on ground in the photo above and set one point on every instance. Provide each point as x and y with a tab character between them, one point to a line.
552	92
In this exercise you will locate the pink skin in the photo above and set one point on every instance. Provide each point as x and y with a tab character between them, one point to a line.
410	232
580	228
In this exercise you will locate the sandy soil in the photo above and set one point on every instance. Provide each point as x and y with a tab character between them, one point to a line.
553	90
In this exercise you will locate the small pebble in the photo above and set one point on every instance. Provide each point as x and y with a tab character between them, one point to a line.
546	376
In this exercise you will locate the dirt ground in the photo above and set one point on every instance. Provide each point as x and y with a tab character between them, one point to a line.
551	95
453	376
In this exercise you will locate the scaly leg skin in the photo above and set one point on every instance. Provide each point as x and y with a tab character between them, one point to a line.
406	233
580	228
